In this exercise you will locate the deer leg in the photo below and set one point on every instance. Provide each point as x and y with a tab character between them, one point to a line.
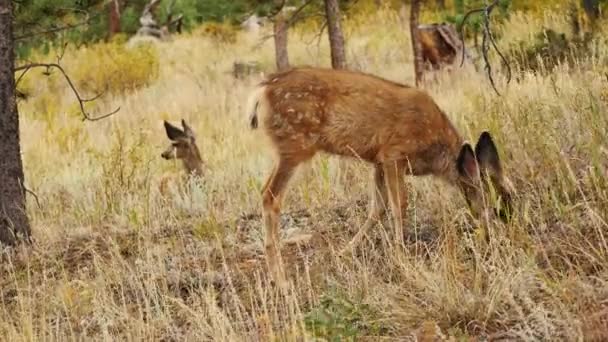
397	194
377	207
272	195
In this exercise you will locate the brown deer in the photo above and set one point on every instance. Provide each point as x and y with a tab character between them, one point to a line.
183	146
397	128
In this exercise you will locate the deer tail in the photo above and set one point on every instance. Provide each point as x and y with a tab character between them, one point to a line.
255	105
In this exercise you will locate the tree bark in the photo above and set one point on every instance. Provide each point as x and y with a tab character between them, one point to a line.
592	9
280	42
416	46
14	224
114	17
336	38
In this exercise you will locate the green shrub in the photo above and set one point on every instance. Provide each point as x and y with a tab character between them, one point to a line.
337	318
549	49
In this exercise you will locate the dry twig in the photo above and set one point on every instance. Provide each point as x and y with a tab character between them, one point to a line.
85	21
293	19
487	42
81	100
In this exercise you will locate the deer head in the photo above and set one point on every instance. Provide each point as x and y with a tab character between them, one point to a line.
183	147
480	175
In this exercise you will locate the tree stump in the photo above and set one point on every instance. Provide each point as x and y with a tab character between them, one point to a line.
441	45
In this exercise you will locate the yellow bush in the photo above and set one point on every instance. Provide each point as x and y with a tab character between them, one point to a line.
221	32
114	67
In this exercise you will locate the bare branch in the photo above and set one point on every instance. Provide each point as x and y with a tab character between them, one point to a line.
319	34
461	30
487	42
81	100
33	195
295	17
277	9
58	29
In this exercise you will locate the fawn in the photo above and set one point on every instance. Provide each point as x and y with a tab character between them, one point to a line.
397	128
183	146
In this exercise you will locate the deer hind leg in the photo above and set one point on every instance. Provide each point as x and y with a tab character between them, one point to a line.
272	195
379	197
397	194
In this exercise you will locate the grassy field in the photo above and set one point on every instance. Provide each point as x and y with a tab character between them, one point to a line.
115	260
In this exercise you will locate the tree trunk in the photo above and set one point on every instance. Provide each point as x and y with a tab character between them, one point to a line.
13	218
416	46
114	17
440	4
280	42
592	9
336	39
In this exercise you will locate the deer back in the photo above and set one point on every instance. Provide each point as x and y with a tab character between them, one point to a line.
350	113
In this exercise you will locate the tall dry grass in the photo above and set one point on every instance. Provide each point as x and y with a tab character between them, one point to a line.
115	260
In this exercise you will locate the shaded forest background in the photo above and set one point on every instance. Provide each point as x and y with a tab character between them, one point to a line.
89	21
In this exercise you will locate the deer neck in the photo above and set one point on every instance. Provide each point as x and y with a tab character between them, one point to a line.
447	168
194	164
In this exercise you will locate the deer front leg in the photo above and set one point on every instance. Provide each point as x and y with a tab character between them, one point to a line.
378	198
397	194
272	195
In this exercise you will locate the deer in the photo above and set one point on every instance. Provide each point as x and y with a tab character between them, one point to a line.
396	128
183	146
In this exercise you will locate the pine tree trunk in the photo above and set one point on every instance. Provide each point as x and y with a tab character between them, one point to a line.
336	39
13	218
592	9
416	46
280	42
114	17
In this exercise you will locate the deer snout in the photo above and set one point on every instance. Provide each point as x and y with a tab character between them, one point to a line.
167	154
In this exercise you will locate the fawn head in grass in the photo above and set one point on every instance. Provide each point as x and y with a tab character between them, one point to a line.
183	147
396	128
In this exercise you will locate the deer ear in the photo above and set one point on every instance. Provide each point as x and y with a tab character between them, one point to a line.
487	154
187	130
173	133
466	163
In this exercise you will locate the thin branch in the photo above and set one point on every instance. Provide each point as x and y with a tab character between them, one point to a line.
33	195
319	34
296	14
81	100
28	191
484	52
461	30
277	9
487	42
500	54
293	19
57	29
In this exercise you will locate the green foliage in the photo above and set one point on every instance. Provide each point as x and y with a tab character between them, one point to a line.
474	23
337	318
549	49
38	22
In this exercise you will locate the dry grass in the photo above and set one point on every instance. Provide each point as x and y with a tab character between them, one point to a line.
114	260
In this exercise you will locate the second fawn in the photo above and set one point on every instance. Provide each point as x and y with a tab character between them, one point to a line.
183	147
397	128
